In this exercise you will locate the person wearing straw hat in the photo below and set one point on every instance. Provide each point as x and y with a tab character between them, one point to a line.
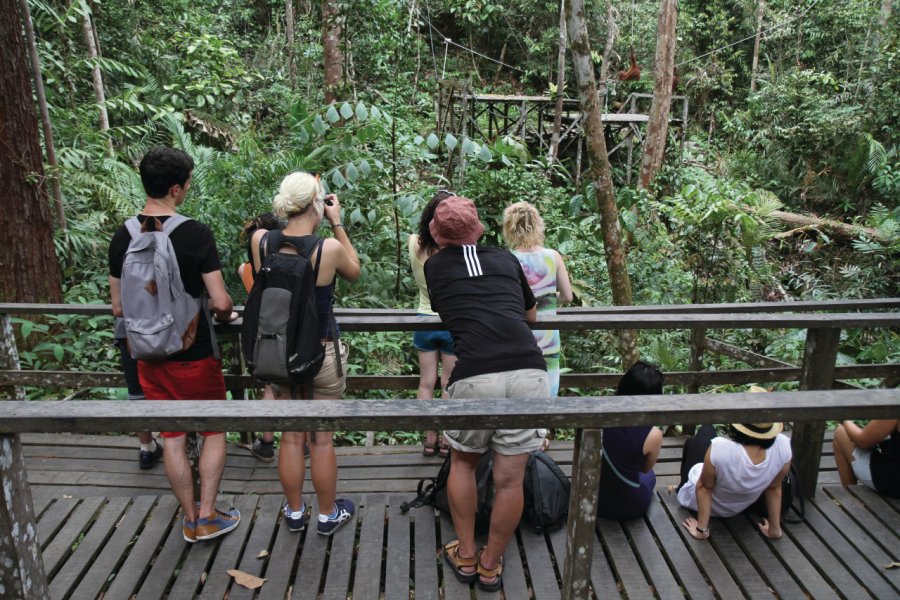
723	476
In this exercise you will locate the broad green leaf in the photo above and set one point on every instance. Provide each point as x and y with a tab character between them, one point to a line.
346	110
450	141
375	112
27	326
338	179
379	164
418	140
362	113
352	173
468	146
303	136
319	125
364	167
505	160
58	352
332	114
433	141
372	216
200	100
356	217
485	154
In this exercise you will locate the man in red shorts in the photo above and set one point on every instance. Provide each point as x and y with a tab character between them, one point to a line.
195	373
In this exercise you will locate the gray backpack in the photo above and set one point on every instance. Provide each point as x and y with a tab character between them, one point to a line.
161	318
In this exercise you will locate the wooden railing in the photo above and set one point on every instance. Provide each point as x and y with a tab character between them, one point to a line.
22	574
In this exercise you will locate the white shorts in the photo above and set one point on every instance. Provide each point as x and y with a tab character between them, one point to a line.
862	467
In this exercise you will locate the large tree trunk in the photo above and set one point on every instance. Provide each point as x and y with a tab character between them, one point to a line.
600	171
45	113
29	271
331	49
97	76
663	71
754	69
560	82
289	35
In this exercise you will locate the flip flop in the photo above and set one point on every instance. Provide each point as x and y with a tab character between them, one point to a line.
443	447
430	449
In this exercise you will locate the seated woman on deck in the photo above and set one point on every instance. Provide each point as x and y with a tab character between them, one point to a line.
629	453
723	476
869	455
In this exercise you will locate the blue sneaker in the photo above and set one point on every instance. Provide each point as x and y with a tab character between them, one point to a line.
189	530
221	524
296	520
343	510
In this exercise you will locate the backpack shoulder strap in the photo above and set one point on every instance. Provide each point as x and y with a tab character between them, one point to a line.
271	242
173	222
133	225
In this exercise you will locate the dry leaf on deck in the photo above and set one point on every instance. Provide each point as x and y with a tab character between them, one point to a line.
892	565
251	582
262	554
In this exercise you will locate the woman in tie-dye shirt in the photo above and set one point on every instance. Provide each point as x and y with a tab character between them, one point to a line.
523	229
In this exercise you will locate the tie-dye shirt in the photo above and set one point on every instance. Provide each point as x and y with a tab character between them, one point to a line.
540	271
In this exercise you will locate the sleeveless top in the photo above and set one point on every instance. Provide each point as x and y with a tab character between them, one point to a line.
540	271
739	482
418	270
885	465
625	490
324	293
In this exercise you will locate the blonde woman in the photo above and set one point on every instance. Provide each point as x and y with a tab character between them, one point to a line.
302	202
523	230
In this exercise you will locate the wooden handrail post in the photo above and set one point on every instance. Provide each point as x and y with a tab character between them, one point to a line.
22	574
9	354
580	529
817	374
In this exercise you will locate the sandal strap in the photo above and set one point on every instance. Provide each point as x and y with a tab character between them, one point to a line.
452	550
486	572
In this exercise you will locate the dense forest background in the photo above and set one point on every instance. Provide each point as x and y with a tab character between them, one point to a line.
249	89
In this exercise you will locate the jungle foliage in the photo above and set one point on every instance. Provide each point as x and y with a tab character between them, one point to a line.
210	76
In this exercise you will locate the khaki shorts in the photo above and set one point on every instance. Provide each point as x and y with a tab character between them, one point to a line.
521	383
327	383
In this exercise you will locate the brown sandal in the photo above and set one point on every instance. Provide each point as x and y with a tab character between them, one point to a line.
494	574
457	562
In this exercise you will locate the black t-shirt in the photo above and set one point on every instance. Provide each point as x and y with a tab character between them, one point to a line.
195	249
481	295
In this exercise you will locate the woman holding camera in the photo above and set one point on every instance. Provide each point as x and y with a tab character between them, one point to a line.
302	201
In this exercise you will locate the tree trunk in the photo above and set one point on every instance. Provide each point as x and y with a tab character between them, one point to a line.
560	83
97	76
612	30
45	113
289	35
29	271
754	70
600	171
664	63
331	49
884	16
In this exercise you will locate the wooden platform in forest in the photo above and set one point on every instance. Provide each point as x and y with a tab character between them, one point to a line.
108	529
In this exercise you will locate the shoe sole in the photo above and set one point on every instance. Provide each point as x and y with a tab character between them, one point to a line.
265	459
189	540
331	533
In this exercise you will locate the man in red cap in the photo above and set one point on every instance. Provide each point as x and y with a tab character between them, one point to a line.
485	301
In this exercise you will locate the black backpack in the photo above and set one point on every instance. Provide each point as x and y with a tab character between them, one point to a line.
280	335
546	490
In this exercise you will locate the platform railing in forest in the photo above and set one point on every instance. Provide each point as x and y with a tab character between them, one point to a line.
22	573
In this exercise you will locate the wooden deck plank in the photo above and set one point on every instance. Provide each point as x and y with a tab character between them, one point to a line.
397	572
870	577
115	550
425	571
537	556
870	522
645	546
258	528
312	558
367	578
163	570
677	554
282	558
453	588
879	507
732	555
760	554
515	583
88	548
54	518
57	550
141	554
39	505
624	561
859	538
340	563
716	572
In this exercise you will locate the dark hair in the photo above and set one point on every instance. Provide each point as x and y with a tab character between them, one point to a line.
267	220
745	440
642	379
163	167
426	241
